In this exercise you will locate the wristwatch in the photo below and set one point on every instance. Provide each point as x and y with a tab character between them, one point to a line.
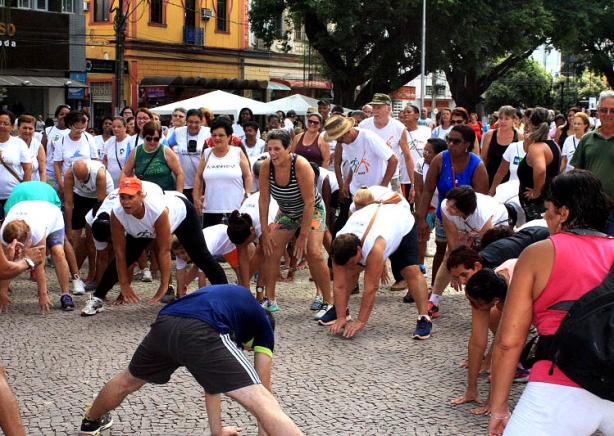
30	262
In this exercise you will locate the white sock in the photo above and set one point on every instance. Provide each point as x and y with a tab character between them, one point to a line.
99	300
428	318
435	299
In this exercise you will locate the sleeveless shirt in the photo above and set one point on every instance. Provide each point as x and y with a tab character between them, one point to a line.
525	172
445	181
310	152
495	154
289	197
158	171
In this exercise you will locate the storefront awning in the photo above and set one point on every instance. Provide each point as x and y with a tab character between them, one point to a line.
210	83
39	82
303	84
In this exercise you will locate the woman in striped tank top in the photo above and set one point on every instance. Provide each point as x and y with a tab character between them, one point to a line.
291	182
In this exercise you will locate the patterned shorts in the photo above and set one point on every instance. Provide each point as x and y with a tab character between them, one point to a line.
318	220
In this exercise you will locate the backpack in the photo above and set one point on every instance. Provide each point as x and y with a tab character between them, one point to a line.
583	345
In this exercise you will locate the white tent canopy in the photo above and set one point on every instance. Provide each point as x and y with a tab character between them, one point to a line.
219	102
298	102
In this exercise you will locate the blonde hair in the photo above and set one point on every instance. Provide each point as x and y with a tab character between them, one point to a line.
17	229
363	197
584	118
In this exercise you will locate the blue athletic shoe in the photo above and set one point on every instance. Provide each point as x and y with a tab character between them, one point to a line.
423	329
330	316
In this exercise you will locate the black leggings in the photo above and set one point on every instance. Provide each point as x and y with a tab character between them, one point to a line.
191	237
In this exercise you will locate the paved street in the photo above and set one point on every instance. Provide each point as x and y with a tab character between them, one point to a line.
382	382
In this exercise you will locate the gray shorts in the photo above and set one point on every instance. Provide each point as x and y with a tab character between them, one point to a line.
214	359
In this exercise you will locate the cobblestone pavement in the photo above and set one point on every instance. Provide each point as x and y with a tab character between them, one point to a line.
381	382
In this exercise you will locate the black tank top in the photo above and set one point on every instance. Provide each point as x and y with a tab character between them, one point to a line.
495	155
525	172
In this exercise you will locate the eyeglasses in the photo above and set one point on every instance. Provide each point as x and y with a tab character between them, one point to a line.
143	119
314	122
605	110
152	138
455	141
456	121
7	125
78	129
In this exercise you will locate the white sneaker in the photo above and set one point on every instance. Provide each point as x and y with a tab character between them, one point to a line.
92	307
146	275
78	287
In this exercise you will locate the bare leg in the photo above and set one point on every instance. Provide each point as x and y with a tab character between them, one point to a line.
317	264
261	403
10	419
91	254
417	283
71	257
442	279
438	259
61	267
271	263
113	393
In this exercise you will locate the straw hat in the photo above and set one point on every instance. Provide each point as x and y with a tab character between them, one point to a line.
337	126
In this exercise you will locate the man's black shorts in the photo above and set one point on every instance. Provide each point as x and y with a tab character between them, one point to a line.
81	206
407	252
214	360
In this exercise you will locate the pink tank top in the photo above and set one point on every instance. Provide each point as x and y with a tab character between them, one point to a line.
580	264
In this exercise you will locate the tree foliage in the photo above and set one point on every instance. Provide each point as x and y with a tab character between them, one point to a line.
525	85
377	44
575	91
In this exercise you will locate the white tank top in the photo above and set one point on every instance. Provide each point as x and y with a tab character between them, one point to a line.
89	189
224	190
154	206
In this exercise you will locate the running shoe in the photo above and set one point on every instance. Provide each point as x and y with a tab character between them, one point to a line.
66	303
90	427
330	316
169	296
317	303
320	313
147	277
92	307
270	305
78	287
408	298
433	310
423	329
423	270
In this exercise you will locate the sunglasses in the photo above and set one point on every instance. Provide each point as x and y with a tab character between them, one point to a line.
152	138
314	122
456	121
455	141
605	110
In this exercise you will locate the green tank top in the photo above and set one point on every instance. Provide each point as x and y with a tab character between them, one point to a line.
157	171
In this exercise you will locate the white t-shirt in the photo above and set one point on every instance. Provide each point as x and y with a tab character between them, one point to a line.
117	154
440	132
325	174
68	151
224	190
154	206
288	125
101	145
392	134
34	148
392	223
569	148
217	241
368	158
90	188
256	150
43	218
422	169
488	208
53	135
380	193
14	152
250	207
111	200
514	153
188	160
417	140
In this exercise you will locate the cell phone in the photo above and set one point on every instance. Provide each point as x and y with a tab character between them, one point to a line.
192	146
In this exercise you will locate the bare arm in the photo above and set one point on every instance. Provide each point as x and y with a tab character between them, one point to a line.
247	174
41	164
128	170
305	177
163	241
199	185
173	163
27	171
486	146
390	169
325	150
263	206
69	184
479	181
101	184
504	167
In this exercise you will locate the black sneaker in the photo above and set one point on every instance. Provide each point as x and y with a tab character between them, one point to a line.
66	303
89	427
330	316
169	296
408	298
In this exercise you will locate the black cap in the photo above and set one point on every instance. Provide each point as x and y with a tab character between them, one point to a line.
324	102
291	113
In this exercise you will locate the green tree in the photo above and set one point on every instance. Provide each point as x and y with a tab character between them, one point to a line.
575	91
525	85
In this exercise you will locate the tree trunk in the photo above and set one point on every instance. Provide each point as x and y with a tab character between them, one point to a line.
464	88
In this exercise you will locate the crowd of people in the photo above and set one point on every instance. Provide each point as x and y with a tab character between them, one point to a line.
355	189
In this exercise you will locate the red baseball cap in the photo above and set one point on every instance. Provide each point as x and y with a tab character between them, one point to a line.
130	186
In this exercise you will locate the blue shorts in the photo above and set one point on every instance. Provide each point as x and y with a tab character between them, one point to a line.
55	238
440	233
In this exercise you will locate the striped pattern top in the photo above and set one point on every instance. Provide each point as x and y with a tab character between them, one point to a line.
289	197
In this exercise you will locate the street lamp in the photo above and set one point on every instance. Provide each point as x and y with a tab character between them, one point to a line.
423	57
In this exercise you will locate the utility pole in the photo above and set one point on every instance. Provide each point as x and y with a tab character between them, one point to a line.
120	47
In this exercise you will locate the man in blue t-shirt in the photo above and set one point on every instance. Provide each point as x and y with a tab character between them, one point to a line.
204	331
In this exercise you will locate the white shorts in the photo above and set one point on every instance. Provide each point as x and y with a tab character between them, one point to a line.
549	409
